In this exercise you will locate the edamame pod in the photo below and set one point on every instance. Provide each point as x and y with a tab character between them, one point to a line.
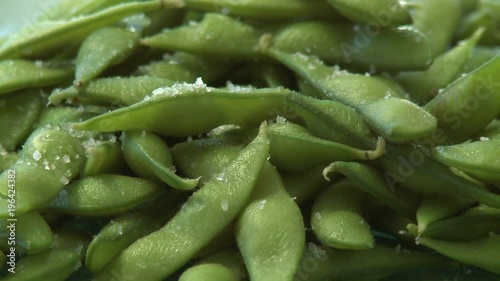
67	9
305	185
222	266
103	158
200	219
482	253
434	208
491	132
22	74
149	157
337	221
103	195
479	56
32	234
378	12
114	45
7	159
480	19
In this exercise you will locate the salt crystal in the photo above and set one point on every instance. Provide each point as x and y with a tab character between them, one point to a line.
37	155
224	205
261	204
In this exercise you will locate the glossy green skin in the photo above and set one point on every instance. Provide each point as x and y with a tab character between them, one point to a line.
482	253
221	198
7	159
270	230
213	36
479	56
38	180
148	156
101	49
308	151
476	20
372	12
125	229
267	10
103	195
120	91
105	158
395	119
424	85
67	9
33	234
305	185
438	20
492	131
45	38
222	266
477	159
434	208
18	114
377	263
337	221
22	74
456	117
341	43
56	263
371	180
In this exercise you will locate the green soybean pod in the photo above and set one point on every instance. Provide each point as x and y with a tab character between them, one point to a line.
303	186
103	158
149	157
103	195
491	132
67	9
482	253
7	159
221	266
33	234
20	74
18	114
46	37
337	220
270	230
201	218
114	45
479	56
379	12
119	91
480	19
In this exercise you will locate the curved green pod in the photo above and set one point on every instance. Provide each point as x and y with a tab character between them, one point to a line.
470	103
434	208
222	266
491	132
378	12
482	253
310	151
103	195
18	114
212	36
266	10
305	185
20	74
358	45
424	85
200	219
480	19
270	252
33	234
45	38
120	91
104	158
101	49
337	221
68	9
149	157
396	119
479	56
478	159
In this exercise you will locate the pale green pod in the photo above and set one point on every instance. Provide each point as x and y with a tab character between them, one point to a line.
104	158
384	13
33	234
221	266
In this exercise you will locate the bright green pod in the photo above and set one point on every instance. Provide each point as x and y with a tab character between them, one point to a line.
47	37
116	90
378	49
270	252
103	195
125	229
305	185
213	36
22	74
424	85
68	9
207	212
469	104
438	20
336	218
222	266
262	75
396	119
381	13
104	158
480	19
266	10
18	114
33	234
482	253
56	263
371	180
148	156
477	159
479	56
101	49
310	151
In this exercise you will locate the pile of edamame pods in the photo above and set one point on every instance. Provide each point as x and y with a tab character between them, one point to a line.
225	140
